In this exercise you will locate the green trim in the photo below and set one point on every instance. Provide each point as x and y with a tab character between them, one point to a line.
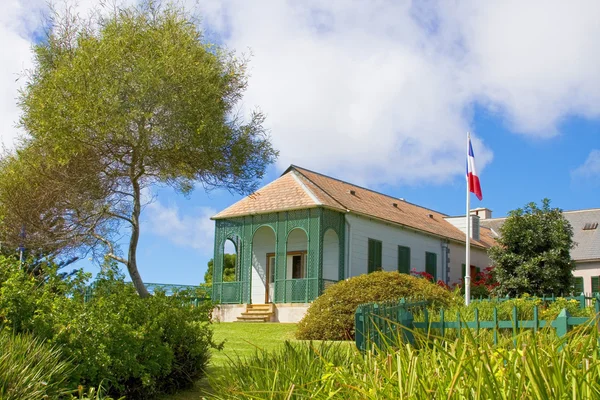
313	221
404	259
578	284
431	264
374	255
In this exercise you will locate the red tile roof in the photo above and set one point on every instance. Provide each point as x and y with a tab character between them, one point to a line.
302	188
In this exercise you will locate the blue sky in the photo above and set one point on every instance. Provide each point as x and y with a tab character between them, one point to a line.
381	94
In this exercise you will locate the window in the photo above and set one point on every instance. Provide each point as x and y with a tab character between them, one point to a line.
298	266
374	260
431	265
271	259
404	259
595	284
578	285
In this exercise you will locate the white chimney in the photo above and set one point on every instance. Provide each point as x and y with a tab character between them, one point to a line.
482	212
461	223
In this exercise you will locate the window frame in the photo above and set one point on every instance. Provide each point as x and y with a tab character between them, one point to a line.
374	263
428	256
403	268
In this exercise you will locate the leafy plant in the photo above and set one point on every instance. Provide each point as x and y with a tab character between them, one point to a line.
533	252
134	346
331	315
31	369
538	366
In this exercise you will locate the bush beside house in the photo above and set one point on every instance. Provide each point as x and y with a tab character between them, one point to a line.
133	346
331	316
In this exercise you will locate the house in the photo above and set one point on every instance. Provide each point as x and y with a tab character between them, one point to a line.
586	253
305	231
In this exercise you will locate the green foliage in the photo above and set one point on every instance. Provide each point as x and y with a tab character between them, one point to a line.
533	252
131	98
331	315
228	269
548	310
538	367
136	347
31	369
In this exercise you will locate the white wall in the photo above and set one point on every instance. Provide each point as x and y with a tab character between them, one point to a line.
587	270
391	236
331	255
262	243
479	258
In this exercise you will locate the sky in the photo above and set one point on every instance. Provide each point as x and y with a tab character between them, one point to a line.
382	94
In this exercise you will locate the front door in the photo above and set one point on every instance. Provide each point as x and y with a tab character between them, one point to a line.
270	281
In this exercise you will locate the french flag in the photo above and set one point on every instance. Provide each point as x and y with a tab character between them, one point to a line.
472	178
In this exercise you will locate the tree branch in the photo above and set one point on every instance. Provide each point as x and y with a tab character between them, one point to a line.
110	253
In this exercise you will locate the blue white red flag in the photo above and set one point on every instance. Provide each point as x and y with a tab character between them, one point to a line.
472	178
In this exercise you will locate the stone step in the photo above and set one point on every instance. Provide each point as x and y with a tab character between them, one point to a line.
257	313
253	318
260	307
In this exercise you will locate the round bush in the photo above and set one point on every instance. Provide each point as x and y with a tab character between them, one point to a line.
331	316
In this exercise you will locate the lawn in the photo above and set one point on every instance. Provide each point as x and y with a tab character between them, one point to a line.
241	339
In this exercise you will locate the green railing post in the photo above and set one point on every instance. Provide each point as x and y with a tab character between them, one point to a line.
536	321
458	324
495	326
561	323
515	325
406	325
359	328
443	327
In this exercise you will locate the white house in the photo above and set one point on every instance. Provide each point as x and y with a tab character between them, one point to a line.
305	231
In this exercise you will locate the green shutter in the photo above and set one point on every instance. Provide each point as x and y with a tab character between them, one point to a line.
431	265
595	284
578	285
464	271
404	259
374	256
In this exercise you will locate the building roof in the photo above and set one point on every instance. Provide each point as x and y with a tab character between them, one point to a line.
302	188
587	241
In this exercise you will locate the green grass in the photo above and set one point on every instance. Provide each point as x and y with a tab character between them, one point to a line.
241	339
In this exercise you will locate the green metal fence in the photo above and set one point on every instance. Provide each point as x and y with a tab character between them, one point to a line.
169	289
380	324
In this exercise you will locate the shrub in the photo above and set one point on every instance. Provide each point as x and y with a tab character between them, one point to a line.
331	316
135	347
30	369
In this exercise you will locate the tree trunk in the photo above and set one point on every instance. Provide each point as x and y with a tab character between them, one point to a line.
133	242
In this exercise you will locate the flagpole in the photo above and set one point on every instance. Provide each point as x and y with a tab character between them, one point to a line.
468	234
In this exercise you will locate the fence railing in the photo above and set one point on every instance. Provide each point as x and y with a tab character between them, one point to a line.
168	289
381	324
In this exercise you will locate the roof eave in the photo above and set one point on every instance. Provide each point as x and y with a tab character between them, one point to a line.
217	217
412	228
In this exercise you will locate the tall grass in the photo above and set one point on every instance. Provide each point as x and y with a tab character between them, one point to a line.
30	369
540	366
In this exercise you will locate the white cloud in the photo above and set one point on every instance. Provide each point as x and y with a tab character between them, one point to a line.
590	168
194	230
381	91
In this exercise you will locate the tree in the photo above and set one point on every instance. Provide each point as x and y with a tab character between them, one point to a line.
228	269
118	104
533	252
